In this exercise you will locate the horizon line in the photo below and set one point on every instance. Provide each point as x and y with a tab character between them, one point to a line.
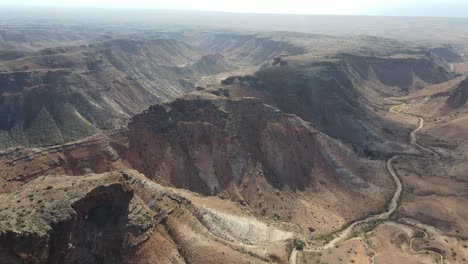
149	9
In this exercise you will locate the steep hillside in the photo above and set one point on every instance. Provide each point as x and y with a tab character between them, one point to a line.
66	94
444	108
403	71
35	109
447	53
343	96
95	154
249	49
459	96
212	64
61	94
256	155
273	165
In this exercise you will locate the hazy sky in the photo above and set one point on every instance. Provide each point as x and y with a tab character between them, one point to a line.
456	8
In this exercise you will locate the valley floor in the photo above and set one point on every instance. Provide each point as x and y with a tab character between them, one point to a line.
414	228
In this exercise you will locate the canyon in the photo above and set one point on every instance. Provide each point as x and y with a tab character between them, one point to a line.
201	145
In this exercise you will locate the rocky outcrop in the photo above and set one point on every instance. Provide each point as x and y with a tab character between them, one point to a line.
65	220
122	217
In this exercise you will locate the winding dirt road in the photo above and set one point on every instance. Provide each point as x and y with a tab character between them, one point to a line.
413	140
392	205
420	227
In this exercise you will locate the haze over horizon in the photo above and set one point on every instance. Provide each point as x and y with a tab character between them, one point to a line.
429	8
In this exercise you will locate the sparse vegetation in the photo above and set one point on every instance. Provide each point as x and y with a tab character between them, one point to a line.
292	146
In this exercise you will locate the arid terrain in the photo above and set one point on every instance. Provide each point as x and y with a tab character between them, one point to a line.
138	142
